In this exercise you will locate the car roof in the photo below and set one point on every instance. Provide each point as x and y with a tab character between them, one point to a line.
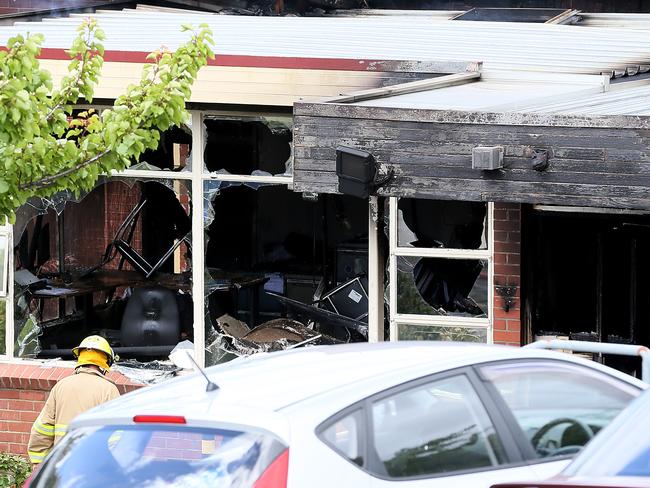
268	382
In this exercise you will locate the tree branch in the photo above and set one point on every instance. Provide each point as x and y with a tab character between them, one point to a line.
87	54
52	179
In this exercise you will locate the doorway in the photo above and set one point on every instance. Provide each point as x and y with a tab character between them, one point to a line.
587	277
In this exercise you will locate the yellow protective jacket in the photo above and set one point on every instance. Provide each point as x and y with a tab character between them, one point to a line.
71	396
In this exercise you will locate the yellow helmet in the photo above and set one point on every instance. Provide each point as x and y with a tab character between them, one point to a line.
97	343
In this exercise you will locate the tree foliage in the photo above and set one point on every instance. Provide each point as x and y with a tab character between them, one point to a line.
43	149
14	470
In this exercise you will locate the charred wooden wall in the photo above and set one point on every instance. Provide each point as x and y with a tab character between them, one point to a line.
601	162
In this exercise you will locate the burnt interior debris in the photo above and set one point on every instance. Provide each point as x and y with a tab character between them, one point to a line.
80	271
588	278
277	334
117	261
287	251
291	268
289	254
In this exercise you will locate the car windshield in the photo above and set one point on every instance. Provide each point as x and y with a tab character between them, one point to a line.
158	456
621	449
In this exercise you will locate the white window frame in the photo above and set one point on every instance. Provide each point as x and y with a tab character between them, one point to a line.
197	176
395	250
8	297
5	232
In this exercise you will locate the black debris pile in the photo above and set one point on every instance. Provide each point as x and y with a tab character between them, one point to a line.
274	335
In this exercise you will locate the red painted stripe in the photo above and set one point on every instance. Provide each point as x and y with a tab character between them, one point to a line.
242	61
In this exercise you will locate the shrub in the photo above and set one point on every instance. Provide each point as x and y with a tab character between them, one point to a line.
14	470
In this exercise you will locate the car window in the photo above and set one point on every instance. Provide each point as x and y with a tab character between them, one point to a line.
345	436
559	406
622	449
152	457
433	428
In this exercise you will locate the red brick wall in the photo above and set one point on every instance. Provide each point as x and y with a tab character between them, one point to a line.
23	391
90	225
507	273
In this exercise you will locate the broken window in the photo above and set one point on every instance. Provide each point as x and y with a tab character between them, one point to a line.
439	269
248	145
113	262
172	153
442	224
439	286
277	265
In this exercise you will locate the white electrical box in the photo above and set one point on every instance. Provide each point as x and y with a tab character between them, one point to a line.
487	157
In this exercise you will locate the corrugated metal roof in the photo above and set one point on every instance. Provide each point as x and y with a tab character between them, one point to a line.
526	67
535	93
372	12
510	93
502	46
616	20
630	98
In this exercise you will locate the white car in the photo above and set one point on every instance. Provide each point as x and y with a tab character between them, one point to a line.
410	415
619	457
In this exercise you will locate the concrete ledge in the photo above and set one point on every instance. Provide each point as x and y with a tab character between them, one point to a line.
14	375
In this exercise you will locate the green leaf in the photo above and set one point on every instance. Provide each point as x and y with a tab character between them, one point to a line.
15	114
41	152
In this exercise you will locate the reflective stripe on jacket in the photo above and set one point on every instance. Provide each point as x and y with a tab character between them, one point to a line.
71	396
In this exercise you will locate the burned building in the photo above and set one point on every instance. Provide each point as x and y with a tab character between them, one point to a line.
551	161
501	168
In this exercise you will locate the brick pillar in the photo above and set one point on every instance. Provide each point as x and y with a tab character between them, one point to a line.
507	273
23	391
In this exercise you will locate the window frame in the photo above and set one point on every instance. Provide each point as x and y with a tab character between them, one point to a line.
362	432
395	251
372	464
4	269
8	296
196	177
528	453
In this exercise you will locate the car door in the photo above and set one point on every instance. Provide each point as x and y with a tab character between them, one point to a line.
554	407
436	432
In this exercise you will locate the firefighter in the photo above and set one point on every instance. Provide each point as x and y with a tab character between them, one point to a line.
86	388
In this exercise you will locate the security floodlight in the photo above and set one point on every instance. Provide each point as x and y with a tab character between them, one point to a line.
356	171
